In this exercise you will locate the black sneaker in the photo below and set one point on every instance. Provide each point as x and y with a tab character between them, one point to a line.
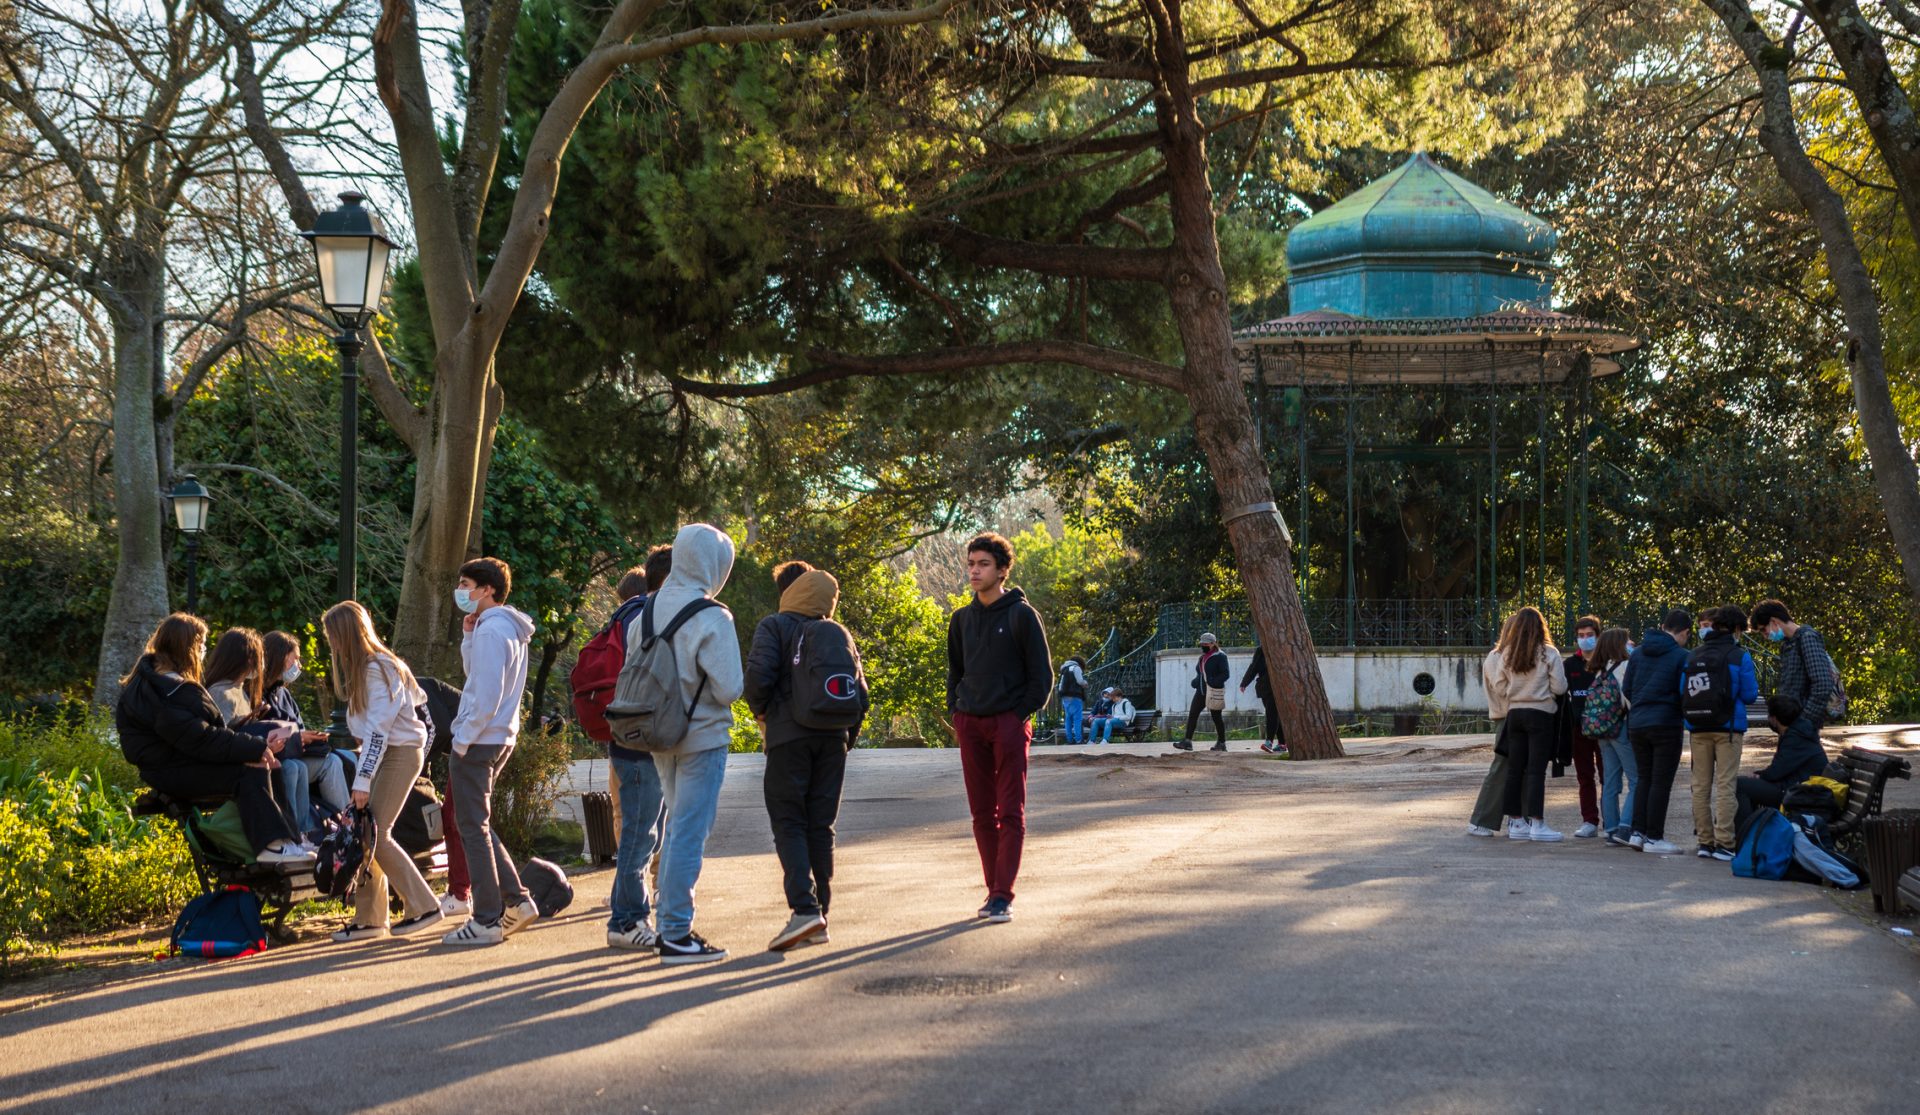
1705	851
1183	745
1724	855
1000	911
1618	838
1218	747
985	911
690	949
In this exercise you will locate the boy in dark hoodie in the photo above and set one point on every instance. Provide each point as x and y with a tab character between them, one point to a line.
805	767
1655	726
998	675
1797	757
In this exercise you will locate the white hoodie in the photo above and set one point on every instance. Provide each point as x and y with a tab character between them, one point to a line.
494	655
706	647
389	720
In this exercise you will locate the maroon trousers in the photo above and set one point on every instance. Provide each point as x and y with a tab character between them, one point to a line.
1586	770
993	760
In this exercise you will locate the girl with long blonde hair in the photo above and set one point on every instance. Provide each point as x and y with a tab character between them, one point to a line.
383	703
1525	676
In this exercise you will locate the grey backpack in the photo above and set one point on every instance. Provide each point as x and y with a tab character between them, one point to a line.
646	713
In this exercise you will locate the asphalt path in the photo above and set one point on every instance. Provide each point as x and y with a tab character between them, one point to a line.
1193	933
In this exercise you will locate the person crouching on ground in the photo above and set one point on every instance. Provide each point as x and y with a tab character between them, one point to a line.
1797	757
801	660
1524	674
383	713
998	676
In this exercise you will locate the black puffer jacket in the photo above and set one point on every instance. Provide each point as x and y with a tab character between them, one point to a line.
171	722
1212	670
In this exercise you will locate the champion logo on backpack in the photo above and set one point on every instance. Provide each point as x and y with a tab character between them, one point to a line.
843	687
829	687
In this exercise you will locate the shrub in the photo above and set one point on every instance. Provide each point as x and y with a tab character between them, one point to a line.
73	737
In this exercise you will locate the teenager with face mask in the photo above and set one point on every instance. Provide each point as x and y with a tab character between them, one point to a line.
1586	752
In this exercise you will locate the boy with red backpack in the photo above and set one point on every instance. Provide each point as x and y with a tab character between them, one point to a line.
806	687
638	812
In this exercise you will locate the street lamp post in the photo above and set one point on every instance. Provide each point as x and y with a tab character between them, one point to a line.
190	506
350	250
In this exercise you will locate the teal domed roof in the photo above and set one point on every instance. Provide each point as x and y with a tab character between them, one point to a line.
1420	242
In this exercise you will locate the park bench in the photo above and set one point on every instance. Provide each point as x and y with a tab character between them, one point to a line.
1868	772
1144	722
279	886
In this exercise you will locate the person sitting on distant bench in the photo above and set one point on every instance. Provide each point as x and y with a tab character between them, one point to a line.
1119	711
170	729
1797	757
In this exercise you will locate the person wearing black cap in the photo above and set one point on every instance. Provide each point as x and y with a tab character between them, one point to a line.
1211	672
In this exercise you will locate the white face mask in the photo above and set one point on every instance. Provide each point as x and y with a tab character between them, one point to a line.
291	674
463	599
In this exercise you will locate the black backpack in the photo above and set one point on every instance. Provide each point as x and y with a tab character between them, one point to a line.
1706	694
341	857
829	687
547	885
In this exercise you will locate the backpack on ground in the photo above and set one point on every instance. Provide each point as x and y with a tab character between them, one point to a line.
1706	683
1766	846
1812	799
646	713
595	676
829	686
1606	708
547	885
220	924
420	824
341	856
1815	860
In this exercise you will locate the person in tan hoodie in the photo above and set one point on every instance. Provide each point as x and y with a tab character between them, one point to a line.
1524	677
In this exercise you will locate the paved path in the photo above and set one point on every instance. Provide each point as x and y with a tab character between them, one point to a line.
1194	934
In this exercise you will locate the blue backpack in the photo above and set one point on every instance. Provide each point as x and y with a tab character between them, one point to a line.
220	924
1766	848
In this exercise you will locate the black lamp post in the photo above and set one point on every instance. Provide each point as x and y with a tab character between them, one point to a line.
190	506
350	250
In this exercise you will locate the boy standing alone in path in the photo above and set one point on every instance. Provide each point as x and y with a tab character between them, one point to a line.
998	675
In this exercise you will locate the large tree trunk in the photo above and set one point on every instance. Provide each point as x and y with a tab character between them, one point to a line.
139	598
1895	477
446	493
1222	417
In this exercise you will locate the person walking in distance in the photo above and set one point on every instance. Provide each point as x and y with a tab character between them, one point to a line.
1655	727
806	688
493	650
998	675
1716	688
1272	739
1211	672
1073	698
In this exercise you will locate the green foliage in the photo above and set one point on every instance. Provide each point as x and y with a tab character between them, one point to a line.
57	569
529	784
745	735
902	636
78	737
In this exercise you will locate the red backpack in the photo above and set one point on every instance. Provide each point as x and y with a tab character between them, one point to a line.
595	674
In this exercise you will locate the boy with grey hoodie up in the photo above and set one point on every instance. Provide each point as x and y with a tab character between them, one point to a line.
493	651
708	653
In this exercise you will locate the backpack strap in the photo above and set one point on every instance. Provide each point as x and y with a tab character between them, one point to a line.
648	638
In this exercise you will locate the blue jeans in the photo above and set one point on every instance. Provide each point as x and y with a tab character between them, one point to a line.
690	784
302	780
1103	729
1072	708
1616	760
641	813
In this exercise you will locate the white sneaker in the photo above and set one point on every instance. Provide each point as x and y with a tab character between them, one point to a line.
285	852
515	918
799	928
1636	841
639	936
1476	830
1518	829
1587	831
1659	847
1544	835
474	933
456	907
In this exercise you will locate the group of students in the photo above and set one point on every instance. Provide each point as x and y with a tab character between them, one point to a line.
228	727
1624	713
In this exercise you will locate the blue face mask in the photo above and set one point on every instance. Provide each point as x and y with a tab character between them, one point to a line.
1705	630
1776	634
291	674
1587	643
464	600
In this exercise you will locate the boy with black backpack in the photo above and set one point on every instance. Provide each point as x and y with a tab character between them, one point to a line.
1716	686
806	687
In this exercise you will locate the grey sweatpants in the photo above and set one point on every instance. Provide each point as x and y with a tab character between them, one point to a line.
495	883
1489	809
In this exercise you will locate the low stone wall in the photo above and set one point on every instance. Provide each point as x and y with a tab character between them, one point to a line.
1367	680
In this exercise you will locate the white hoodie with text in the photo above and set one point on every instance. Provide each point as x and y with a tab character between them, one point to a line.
494	655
